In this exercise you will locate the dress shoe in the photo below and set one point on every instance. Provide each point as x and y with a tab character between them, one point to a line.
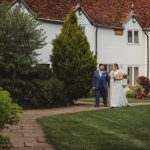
96	105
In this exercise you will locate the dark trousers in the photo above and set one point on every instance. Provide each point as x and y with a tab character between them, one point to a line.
101	92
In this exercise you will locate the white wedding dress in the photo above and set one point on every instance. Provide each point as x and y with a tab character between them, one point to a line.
117	94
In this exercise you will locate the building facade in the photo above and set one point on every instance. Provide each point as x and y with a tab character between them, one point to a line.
114	36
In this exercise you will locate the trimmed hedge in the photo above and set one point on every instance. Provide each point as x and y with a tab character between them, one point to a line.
35	93
36	72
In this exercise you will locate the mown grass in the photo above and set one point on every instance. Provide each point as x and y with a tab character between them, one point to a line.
131	100
109	129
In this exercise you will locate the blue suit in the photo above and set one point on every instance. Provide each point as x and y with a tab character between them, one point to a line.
101	86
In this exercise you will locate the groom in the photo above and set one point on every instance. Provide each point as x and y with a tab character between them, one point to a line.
100	85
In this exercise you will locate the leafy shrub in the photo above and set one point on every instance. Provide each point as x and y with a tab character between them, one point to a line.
125	76
90	94
4	143
130	93
8	110
138	91
58	96
19	57
38	92
25	93
135	88
30	89
141	95
35	93
8	115
145	83
37	72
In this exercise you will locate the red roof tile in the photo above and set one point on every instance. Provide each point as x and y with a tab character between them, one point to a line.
101	12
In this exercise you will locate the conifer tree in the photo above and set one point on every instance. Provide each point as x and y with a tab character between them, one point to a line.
72	61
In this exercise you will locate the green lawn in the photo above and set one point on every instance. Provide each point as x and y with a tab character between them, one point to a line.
131	100
109	129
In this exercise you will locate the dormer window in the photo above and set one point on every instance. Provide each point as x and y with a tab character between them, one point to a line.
133	36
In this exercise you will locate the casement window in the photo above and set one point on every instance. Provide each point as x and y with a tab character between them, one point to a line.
130	37
136	36
133	36
83	28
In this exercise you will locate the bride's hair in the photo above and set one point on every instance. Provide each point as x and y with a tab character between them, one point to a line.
116	65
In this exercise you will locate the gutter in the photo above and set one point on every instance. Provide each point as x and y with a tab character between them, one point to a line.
108	27
148	63
147	29
95	25
96	41
50	20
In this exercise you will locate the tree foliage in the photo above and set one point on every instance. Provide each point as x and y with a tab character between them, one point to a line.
20	37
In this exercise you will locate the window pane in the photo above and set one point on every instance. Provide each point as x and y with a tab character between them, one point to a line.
136	37
130	37
109	67
130	75
83	29
136	74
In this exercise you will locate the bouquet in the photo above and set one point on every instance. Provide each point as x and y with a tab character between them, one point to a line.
112	75
125	76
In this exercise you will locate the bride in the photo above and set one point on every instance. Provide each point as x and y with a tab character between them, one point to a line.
117	94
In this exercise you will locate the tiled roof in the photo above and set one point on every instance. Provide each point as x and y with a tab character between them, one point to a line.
101	12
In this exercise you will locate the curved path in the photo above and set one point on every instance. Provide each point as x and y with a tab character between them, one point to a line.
28	134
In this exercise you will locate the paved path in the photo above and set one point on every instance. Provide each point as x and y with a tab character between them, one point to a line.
28	134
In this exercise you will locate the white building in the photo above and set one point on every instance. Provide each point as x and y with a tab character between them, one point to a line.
118	31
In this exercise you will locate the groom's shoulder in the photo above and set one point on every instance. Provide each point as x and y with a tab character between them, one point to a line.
96	71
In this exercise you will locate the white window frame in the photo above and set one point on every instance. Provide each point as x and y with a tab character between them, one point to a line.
133	72
83	25
133	42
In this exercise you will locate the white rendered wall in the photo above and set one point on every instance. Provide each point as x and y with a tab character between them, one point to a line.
149	50
111	48
51	31
89	30
115	49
